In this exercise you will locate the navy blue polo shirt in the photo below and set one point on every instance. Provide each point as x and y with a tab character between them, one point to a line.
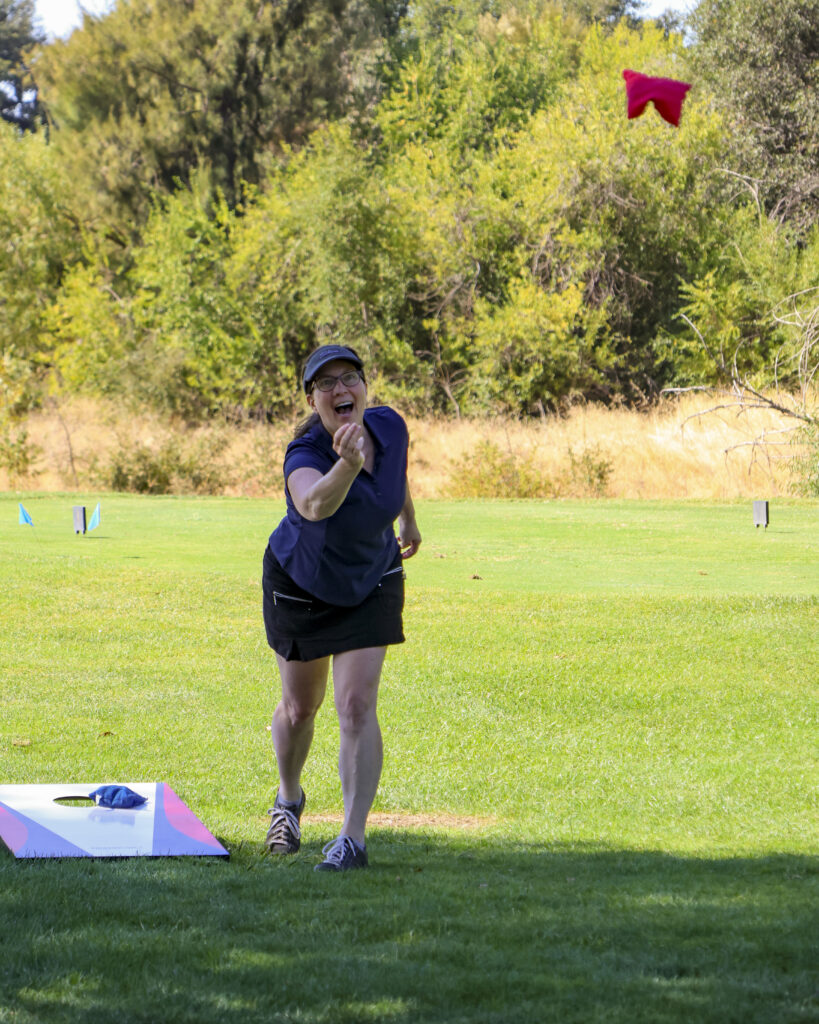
340	559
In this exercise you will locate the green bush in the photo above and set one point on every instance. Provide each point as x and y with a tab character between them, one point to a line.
170	468
18	454
488	472
590	472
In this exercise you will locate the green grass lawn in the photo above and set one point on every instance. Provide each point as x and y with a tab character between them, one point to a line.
619	699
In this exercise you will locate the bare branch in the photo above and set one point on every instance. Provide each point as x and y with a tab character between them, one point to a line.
761	442
801	359
763	401
751	184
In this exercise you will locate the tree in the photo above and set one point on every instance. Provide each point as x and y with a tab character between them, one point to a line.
326	253
761	64
168	334
502	239
39	238
604	12
18	93
158	88
577	198
429	20
475	87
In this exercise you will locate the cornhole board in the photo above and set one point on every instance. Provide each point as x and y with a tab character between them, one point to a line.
33	824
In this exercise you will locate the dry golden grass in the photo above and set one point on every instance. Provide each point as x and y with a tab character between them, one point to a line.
674	450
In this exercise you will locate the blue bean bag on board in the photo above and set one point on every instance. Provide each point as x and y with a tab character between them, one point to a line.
117	797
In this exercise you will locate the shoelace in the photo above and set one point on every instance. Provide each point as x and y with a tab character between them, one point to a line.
283	824
339	850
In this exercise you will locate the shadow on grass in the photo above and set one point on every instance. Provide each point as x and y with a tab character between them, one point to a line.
441	928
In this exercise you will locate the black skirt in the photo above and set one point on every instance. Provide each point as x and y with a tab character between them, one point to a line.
301	627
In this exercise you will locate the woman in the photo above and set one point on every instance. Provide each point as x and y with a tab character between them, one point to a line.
334	588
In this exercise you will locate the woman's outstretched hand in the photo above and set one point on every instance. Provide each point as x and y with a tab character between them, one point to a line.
348	444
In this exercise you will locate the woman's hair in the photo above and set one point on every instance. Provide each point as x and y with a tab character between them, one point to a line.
306	425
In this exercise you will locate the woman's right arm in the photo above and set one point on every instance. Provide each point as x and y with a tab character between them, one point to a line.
316	495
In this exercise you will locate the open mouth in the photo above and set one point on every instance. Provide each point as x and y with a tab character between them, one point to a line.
344	407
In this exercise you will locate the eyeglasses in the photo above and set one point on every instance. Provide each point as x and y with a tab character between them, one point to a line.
349	379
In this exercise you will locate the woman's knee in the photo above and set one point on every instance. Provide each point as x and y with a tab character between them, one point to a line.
298	711
356	711
356	676
303	689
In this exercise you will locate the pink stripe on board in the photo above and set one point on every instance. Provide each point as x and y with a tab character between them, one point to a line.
13	832
181	818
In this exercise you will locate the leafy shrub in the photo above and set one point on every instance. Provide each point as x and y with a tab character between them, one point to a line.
18	395
18	454
170	468
590	471
489	472
20	390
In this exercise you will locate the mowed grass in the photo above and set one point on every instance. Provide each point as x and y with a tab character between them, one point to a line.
599	794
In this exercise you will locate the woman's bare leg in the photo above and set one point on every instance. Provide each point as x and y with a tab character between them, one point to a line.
304	684
356	675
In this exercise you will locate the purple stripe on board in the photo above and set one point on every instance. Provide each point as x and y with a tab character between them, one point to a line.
26	839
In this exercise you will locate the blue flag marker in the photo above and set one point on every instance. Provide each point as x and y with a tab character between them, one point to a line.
95	519
25	519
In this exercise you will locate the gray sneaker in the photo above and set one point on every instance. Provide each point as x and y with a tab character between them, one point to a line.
343	854
284	834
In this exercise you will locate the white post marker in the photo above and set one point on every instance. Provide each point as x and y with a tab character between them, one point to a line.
79	519
761	514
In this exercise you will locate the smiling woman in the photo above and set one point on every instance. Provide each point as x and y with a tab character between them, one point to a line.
333	585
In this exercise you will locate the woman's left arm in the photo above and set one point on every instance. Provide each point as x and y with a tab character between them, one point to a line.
409	536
